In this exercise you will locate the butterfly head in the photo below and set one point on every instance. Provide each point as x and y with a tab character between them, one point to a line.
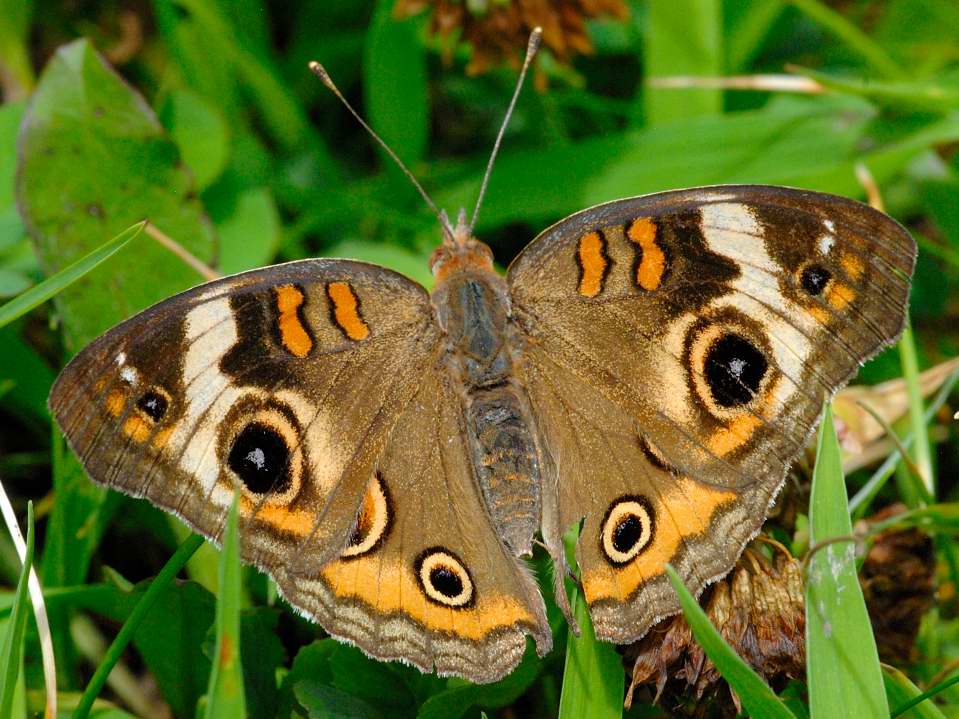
460	251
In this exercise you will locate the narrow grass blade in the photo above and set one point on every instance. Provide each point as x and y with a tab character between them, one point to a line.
40	293
758	699
910	370
157	586
225	696
860	502
908	700
843	665
593	677
11	652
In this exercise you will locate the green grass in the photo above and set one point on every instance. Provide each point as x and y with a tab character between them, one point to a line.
212	128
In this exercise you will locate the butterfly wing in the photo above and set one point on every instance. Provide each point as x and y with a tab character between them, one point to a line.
679	349
317	389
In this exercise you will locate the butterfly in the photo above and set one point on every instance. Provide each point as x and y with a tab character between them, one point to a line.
646	370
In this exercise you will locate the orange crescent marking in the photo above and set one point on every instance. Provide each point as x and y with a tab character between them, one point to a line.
593	264
840	295
136	428
652	266
283	519
391	587
734	435
686	511
293	334
346	311
115	402
853	265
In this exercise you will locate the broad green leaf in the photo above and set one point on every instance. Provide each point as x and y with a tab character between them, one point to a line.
842	662
395	83
902	694
58	282
226	698
250	235
11	651
326	702
11	114
682	37
748	25
757	698
200	131
94	159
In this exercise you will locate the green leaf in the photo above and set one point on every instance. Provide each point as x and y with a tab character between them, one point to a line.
200	131
394	85
94	159
411	264
55	284
906	697
225	696
250	234
682	37
325	702
842	662
11	113
11	652
757	698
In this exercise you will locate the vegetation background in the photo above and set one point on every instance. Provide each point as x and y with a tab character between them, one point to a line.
222	138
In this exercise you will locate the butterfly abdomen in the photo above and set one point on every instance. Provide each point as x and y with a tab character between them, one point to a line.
473	308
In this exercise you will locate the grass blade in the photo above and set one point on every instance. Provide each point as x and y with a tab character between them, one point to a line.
843	664
157	586
910	371
757	698
593	677
40	293
225	696
909	701
11	652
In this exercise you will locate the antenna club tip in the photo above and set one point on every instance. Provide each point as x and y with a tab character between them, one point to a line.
535	39
320	71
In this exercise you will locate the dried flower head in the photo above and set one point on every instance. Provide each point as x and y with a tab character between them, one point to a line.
758	609
498	30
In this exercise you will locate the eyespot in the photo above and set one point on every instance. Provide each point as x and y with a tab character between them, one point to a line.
260	457
627	529
733	367
814	279
373	521
154	403
444	579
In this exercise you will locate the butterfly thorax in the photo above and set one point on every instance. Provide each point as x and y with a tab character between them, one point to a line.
472	307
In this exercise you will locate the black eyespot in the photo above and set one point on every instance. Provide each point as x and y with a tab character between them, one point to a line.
446	582
628	528
444	578
261	459
815	278
627	533
733	369
153	404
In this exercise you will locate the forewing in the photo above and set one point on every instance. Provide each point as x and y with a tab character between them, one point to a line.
283	383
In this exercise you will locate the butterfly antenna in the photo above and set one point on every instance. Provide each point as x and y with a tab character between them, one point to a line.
531	47
320	71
